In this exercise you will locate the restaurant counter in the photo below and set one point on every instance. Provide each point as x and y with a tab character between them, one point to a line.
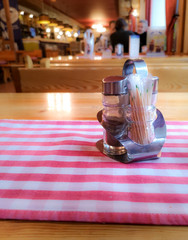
32	44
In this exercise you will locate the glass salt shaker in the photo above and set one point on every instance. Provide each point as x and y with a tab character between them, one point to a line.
115	99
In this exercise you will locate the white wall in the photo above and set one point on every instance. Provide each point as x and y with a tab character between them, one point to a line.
158	14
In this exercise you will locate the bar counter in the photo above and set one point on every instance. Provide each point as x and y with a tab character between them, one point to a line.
82	106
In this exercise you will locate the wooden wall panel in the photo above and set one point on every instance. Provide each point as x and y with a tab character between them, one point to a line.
185	44
180	27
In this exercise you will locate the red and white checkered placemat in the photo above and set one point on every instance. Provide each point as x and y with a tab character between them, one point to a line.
52	170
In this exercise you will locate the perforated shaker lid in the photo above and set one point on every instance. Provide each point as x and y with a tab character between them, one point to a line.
114	85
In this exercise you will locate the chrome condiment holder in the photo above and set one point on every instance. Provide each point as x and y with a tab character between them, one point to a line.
130	151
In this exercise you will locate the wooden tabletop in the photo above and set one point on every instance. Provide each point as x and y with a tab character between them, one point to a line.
98	61
118	60
72	106
78	106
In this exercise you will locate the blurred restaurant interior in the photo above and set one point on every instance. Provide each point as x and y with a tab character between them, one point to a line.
54	55
53	34
38	34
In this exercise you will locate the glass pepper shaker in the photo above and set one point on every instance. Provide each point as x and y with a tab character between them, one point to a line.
115	99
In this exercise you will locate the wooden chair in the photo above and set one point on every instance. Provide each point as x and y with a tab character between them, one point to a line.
51	53
6	57
35	55
45	63
28	62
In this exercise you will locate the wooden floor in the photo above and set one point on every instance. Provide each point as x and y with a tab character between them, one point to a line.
7	87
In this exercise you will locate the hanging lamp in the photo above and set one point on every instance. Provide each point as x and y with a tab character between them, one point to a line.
43	18
60	24
53	22
67	27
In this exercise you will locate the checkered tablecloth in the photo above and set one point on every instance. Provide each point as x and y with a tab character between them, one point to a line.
52	170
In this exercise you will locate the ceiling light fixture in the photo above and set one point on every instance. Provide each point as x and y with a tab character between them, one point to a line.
135	13
43	18
101	29
56	30
68	34
60	24
48	30
75	35
67	27
53	22
94	26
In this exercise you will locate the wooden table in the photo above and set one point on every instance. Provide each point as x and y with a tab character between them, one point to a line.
82	106
116	60
69	74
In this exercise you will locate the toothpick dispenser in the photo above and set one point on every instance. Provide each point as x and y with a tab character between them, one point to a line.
133	129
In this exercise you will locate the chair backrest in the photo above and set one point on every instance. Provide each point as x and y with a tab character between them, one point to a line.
8	56
45	63
36	53
28	62
51	53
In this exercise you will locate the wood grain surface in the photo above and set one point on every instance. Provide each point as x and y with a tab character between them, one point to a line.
29	230
99	60
78	106
172	78
49	106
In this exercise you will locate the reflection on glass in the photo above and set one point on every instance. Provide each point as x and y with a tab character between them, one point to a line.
59	102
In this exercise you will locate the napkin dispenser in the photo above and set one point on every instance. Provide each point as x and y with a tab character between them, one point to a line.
133	129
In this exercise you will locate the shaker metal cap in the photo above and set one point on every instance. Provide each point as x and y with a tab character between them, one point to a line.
114	85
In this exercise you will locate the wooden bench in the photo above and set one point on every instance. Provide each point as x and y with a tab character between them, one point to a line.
88	79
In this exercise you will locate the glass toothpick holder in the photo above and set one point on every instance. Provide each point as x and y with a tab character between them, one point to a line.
140	114
140	127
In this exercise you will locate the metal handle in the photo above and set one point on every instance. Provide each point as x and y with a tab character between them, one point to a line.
139	65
